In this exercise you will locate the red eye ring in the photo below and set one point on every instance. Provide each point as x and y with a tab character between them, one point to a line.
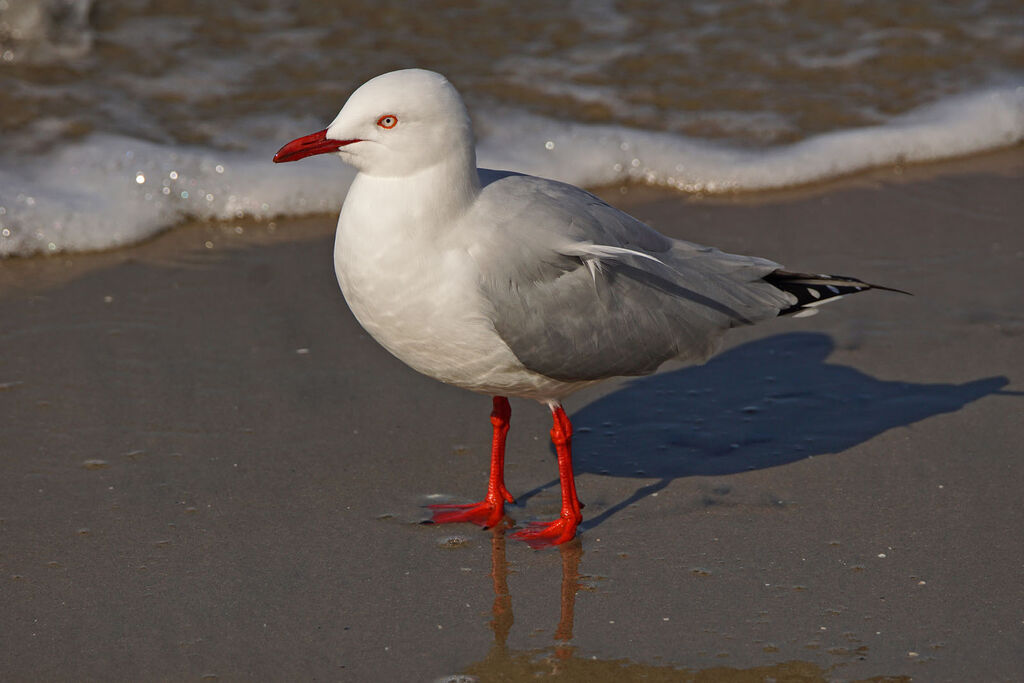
387	121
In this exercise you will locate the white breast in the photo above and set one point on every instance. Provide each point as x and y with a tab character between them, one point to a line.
416	292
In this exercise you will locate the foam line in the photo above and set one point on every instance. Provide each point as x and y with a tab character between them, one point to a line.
106	191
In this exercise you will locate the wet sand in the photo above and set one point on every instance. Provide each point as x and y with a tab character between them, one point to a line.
210	471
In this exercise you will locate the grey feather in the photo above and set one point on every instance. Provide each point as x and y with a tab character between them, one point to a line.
668	299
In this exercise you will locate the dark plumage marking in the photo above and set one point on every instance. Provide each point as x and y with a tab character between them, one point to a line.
811	290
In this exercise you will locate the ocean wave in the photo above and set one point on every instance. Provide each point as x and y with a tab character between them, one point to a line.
604	155
41	31
107	191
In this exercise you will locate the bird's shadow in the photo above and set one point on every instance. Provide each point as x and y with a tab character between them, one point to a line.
766	403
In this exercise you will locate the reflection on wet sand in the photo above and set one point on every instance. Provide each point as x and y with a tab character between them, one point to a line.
560	660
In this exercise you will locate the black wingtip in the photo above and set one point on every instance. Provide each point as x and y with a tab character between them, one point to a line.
812	290
890	289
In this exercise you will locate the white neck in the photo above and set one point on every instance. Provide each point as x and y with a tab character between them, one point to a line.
423	202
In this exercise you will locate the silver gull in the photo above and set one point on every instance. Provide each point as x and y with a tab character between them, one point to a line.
512	285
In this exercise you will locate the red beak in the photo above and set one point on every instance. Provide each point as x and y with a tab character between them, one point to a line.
308	145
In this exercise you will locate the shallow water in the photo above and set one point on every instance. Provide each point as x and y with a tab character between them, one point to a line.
186	71
123	118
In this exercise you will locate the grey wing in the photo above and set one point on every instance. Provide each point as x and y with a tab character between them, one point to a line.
576	310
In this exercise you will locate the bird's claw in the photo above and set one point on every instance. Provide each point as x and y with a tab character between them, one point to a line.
486	513
539	535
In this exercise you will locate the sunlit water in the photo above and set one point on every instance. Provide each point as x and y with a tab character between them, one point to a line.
124	118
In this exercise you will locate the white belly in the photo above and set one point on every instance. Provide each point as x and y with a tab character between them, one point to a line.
421	301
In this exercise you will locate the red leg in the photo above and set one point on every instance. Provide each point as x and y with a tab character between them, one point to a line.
491	510
543	534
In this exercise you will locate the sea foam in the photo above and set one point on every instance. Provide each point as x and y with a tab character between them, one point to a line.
602	155
107	191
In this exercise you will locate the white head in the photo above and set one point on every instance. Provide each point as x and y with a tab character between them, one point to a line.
395	125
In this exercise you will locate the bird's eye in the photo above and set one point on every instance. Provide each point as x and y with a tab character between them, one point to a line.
388	121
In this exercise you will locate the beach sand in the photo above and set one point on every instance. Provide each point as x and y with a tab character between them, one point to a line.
210	471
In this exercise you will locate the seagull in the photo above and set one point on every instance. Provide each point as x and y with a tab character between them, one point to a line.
513	285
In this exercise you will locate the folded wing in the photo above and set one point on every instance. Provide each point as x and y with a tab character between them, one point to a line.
582	291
